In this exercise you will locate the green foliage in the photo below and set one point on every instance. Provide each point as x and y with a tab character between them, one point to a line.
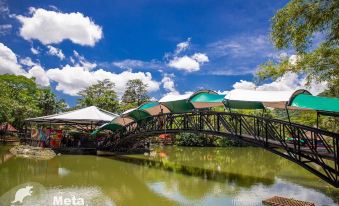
295	26
21	98
135	93
296	23
48	102
201	140
101	95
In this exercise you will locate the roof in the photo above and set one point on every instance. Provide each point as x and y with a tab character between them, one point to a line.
90	114
323	104
135	114
7	127
254	99
177	103
206	99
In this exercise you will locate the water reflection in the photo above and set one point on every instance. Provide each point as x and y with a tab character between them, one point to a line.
191	176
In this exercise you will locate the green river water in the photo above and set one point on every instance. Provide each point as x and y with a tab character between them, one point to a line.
166	176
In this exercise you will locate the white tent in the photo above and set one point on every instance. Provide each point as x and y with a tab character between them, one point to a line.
88	115
274	99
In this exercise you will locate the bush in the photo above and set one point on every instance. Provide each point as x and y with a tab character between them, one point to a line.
200	140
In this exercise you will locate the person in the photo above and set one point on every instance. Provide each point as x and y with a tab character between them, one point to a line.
42	138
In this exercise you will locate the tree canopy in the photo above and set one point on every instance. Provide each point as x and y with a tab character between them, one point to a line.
22	98
101	95
135	93
311	29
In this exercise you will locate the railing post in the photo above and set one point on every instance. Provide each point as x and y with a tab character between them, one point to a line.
298	138
266	133
218	122
240	127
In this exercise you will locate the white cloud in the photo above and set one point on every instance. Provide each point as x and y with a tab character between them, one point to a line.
200	57
129	63
4	10
27	62
168	84
293	59
289	81
35	50
40	75
223	92
8	61
188	63
82	61
182	46
9	65
242	46
55	52
185	63
53	27
135	63
5	29
72	79
242	84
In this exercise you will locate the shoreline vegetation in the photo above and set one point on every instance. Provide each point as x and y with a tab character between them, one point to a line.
203	140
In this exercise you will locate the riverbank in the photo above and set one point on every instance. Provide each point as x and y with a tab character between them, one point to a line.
31	152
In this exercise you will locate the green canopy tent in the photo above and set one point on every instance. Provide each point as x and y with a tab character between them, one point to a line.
135	114
117	123
206	99
328	106
154	108
254	99
177	103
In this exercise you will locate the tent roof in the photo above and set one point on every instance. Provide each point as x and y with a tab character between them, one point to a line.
324	104
254	99
135	114
206	99
90	114
154	108
177	103
7	127
175	97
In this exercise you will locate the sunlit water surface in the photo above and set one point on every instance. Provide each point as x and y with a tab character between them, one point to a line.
167	176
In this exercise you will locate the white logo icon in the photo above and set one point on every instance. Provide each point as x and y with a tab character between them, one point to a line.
22	193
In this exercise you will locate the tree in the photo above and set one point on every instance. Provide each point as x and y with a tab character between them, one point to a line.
48	102
296	26
101	95
135	93
21	98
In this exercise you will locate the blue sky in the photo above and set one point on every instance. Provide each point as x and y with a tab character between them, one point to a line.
174	46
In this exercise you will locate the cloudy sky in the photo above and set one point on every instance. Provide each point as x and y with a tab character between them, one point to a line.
173	46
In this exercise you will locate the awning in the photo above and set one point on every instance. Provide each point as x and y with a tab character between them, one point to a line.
206	99
322	104
7	127
177	103
87	115
154	108
136	114
253	99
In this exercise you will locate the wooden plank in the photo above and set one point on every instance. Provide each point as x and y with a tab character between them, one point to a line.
283	201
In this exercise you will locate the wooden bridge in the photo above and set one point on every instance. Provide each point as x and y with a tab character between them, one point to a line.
314	149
